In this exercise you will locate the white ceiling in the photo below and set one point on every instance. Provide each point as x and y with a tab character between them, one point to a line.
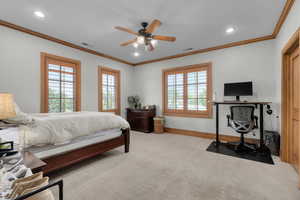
196	23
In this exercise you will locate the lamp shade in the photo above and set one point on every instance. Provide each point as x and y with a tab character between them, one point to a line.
7	107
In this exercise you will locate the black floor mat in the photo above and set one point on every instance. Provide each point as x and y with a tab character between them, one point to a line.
228	149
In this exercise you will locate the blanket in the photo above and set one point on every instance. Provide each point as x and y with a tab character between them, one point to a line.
61	128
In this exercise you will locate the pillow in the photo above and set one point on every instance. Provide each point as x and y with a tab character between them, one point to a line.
20	118
16	184
23	188
33	177
44	195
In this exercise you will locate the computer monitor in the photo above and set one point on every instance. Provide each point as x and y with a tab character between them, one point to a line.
238	89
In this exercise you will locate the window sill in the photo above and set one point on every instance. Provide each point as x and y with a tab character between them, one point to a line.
191	115
117	112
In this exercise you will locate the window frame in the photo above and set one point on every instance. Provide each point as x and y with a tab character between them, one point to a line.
76	64
105	70
185	69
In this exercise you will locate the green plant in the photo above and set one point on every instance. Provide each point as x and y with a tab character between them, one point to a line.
133	101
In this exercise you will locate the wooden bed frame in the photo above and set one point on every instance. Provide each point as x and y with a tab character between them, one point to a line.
71	157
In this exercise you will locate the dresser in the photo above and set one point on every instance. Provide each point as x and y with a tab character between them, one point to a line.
141	119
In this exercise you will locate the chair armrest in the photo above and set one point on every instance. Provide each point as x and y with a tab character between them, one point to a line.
228	119
58	183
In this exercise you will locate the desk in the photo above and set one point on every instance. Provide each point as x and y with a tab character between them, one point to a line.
262	146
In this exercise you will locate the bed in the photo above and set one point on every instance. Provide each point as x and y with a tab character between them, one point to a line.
62	139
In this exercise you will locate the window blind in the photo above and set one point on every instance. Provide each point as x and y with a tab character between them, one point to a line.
61	88
187	91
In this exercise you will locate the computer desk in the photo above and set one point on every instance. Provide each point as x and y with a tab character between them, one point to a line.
262	146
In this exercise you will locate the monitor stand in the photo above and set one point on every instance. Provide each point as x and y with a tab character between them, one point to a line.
237	98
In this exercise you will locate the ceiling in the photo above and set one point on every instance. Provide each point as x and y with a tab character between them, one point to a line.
197	24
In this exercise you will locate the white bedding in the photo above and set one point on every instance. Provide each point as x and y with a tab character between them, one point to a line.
80	142
61	128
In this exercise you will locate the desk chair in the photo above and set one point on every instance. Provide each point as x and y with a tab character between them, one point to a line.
243	121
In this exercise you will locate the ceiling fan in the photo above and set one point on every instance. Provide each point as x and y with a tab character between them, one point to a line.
144	35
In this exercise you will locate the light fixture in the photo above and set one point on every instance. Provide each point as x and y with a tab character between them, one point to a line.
230	30
140	40
136	54
39	14
154	42
135	45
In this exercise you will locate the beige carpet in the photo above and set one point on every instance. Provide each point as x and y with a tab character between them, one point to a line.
175	167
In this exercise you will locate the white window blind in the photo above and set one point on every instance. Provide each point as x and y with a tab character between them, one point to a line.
187	91
108	92
197	90
61	88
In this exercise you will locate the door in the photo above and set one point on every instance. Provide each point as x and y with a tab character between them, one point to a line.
295	108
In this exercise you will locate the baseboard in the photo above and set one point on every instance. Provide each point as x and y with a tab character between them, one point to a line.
223	137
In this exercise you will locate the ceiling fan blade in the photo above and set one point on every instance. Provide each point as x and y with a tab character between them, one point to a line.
128	42
164	38
126	30
153	26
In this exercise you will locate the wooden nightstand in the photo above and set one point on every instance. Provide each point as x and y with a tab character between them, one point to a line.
141	119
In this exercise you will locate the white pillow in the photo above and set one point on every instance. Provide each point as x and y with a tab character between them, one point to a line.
20	118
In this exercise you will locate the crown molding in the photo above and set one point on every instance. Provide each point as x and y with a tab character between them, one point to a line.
65	43
284	13
224	46
286	10
280	22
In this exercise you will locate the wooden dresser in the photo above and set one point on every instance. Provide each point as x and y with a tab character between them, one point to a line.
141	119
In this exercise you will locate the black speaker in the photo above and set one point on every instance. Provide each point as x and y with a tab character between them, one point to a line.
269	110
272	141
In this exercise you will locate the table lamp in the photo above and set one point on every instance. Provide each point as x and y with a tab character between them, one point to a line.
7	107
7	110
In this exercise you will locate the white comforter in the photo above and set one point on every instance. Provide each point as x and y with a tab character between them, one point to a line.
60	128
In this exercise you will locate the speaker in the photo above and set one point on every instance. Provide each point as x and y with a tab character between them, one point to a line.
269	110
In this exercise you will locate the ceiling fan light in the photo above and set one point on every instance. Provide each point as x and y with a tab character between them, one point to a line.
154	42
140	40
135	45
146	47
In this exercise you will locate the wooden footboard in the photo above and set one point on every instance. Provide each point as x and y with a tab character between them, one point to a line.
71	157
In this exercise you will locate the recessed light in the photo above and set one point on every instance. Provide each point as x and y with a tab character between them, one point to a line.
230	30
136	54
39	14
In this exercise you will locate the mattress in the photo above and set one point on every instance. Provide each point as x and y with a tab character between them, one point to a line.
80	142
43	152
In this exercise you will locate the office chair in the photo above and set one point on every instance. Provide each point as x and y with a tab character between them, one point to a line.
243	121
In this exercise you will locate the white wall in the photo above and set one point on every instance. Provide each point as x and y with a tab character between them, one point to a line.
20	70
254	62
259	62
292	23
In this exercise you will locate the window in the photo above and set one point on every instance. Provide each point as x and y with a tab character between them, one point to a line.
60	84
187	91
109	90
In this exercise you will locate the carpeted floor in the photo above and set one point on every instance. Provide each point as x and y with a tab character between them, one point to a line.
175	167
